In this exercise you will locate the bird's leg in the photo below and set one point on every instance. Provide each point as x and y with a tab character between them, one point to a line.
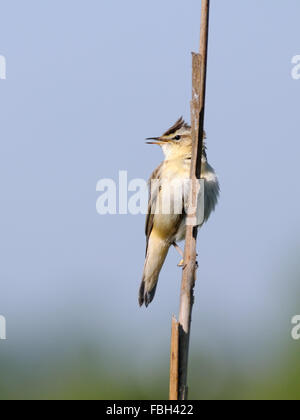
179	250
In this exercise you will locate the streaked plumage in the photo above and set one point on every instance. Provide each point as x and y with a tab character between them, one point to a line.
163	230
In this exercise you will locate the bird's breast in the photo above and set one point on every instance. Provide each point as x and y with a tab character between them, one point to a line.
173	193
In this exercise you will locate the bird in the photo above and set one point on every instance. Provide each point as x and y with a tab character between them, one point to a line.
165	229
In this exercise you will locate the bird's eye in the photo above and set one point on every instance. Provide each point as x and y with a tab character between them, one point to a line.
177	138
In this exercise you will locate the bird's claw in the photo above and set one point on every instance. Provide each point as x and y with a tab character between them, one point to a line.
181	263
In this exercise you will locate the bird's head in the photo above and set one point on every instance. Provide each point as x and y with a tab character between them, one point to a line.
176	142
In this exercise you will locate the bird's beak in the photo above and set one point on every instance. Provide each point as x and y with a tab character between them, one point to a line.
157	140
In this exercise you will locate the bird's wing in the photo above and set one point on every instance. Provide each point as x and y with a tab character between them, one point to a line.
153	195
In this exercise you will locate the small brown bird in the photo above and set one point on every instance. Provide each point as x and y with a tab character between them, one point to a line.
166	229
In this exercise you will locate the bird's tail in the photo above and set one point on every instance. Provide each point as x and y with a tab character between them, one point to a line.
156	254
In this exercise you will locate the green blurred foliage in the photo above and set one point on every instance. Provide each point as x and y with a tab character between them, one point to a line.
82	369
88	376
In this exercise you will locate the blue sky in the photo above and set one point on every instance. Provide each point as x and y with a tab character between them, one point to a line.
87	81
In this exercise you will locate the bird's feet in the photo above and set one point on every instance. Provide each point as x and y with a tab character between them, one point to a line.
181	264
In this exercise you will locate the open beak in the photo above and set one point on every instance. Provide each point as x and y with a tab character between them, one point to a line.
156	140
